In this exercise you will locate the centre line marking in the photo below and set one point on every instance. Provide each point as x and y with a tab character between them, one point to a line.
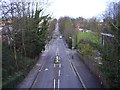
54	84
59	73
57	51
58	83
59	65
54	65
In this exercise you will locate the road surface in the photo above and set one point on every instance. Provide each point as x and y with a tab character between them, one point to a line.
69	73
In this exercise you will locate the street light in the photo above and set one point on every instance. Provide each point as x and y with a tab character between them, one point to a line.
70	44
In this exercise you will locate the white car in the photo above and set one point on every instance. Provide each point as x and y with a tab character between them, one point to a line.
60	37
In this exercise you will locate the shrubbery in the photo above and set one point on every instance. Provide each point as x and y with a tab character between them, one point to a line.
12	73
85	49
110	65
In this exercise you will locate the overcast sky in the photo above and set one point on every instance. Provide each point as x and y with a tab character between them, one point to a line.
78	8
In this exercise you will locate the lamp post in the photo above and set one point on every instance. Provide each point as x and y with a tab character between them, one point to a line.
70	43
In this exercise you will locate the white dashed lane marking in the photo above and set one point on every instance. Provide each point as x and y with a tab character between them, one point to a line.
58	83
59	65
59	73
54	65
54	84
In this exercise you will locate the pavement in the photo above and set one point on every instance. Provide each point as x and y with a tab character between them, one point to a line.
69	73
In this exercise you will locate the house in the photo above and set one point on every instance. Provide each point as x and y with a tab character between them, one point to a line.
6	33
79	28
3	23
88	31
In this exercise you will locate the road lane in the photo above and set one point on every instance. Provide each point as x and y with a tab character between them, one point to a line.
45	77
88	78
64	74
58	75
68	76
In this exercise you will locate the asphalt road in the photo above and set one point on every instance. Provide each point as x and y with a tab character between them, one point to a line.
69	73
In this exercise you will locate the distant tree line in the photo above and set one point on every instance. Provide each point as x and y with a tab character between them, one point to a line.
68	27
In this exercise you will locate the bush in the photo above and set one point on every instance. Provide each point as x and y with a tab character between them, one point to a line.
110	65
85	49
14	80
11	73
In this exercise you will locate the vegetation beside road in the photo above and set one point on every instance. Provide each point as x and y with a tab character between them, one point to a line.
12	74
86	42
21	46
